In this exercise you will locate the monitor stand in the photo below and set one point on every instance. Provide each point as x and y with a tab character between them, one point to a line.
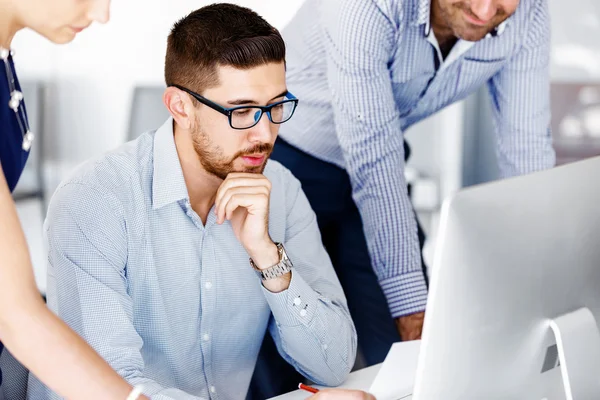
578	343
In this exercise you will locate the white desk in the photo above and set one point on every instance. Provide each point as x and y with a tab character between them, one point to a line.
360	380
396	380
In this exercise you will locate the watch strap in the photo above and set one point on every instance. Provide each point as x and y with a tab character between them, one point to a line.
281	268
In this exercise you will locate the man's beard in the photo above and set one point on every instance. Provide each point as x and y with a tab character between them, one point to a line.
462	30
214	162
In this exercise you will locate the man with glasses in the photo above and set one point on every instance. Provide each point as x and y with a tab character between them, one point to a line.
174	254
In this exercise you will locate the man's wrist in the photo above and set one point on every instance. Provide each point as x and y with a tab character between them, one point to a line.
265	256
275	268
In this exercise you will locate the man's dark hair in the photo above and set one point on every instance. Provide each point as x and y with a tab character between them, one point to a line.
219	35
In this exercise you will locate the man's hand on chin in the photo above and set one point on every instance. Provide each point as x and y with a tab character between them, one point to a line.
243	199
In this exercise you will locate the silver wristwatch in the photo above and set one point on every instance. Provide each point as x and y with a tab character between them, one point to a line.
281	268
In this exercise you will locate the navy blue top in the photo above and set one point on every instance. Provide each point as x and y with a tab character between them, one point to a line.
12	155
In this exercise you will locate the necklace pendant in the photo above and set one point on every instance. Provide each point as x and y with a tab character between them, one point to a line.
14	104
15	100
28	140
16	94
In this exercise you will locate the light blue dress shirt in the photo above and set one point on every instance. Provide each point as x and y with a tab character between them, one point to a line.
366	70
173	304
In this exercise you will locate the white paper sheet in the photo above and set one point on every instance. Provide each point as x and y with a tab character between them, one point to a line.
396	377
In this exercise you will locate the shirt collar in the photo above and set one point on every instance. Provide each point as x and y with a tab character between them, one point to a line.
168	185
424	18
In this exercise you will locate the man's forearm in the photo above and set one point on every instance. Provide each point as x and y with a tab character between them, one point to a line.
390	227
318	333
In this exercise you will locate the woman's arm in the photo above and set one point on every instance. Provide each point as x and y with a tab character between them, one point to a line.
34	335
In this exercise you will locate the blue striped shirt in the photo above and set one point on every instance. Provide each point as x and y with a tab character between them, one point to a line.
366	70
173	304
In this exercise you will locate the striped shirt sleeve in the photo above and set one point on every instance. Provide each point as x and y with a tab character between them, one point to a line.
521	102
360	39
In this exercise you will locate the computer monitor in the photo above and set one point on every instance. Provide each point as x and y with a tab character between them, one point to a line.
514	301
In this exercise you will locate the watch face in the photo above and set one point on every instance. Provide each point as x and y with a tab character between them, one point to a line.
281	250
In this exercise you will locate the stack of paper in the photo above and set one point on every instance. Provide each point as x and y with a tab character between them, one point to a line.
396	377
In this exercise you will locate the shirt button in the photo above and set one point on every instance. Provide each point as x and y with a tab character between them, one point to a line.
297	301
213	389
208	285
206	337
324	347
303	313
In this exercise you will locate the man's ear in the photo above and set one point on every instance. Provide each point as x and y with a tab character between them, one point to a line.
180	106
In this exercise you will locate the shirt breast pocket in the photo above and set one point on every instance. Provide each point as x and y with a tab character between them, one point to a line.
474	73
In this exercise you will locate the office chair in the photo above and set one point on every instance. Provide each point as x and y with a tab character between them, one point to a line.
147	110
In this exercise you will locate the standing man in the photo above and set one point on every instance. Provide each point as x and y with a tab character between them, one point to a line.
366	70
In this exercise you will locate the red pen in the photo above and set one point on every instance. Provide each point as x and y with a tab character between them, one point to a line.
307	388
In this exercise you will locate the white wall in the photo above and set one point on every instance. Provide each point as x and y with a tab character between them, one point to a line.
91	80
575	45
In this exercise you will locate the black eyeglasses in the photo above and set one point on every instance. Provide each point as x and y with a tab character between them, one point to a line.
245	117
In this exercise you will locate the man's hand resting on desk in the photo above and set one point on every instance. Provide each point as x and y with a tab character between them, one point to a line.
342	394
410	327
